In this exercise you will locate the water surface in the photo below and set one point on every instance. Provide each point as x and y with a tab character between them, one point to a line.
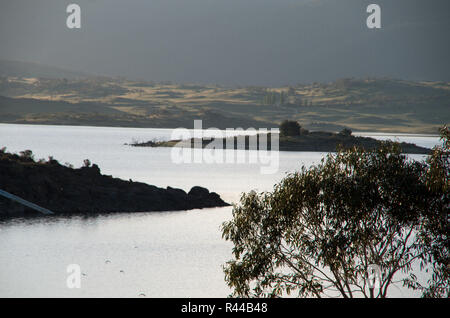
170	254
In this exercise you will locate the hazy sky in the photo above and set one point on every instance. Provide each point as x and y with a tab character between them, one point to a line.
244	42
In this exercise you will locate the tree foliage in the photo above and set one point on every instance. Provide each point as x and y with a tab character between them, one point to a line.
346	132
290	128
321	229
435	229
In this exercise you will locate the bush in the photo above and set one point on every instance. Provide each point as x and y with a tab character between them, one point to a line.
321	229
346	132
86	163
290	128
304	131
27	155
434	233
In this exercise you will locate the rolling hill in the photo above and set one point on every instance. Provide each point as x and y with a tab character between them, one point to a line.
36	94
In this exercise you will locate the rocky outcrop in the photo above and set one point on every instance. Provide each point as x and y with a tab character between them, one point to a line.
312	141
65	190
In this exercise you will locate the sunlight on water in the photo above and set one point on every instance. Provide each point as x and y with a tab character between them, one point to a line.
171	254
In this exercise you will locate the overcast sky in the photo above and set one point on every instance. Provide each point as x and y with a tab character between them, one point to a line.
240	42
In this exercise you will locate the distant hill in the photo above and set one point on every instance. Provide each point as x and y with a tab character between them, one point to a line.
46	95
28	106
26	69
58	112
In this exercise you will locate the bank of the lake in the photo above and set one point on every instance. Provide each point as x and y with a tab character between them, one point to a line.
317	141
66	190
166	254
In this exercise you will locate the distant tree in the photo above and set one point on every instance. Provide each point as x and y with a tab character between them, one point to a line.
271	98
304	131
267	99
346	132
68	165
290	128
27	154
307	102
86	163
282	98
322	230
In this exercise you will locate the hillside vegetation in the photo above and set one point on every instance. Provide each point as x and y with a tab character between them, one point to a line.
381	104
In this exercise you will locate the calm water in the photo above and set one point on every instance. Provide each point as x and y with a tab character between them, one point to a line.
172	254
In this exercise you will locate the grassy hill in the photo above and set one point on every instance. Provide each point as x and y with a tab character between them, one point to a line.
380	104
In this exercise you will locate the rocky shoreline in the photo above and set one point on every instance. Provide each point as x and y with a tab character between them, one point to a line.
319	141
65	190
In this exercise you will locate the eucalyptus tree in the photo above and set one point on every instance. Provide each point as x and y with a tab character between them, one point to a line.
323	230
435	229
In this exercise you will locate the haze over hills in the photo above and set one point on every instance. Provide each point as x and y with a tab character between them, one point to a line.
38	95
28	69
233	42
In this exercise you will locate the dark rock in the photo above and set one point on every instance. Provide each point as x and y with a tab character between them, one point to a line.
65	190
198	192
321	141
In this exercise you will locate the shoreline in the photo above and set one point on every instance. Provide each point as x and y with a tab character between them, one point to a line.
317	141
82	125
85	191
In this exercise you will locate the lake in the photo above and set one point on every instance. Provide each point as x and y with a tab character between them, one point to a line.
170	254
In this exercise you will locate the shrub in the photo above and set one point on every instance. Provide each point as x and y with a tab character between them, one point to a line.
321	229
290	128
346	132
26	154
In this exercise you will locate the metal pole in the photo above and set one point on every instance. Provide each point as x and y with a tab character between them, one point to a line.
25	202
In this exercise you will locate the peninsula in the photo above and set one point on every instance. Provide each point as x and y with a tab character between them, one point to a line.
65	190
319	141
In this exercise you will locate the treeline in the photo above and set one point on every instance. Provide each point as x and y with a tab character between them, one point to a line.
285	98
